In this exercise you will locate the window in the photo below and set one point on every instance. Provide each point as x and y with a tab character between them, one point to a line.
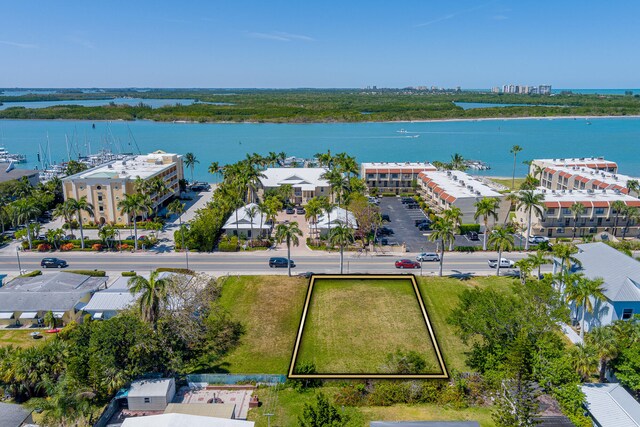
371	175
99	197
147	400
627	313
394	175
566	211
101	208
383	176
99	187
551	211
599	211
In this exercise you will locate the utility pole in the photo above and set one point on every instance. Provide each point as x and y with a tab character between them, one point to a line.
18	255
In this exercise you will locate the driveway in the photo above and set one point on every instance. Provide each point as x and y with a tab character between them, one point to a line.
403	225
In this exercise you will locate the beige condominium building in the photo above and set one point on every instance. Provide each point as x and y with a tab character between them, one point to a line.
597	163
598	215
393	177
307	183
106	185
444	189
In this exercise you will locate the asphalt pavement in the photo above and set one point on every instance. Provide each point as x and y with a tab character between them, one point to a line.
403	225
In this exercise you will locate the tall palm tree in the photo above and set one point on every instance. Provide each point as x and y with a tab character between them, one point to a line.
288	233
501	239
312	211
107	234
486	208
584	360
63	210
79	206
453	214
631	214
158	188
251	212
538	259
524	266
577	209
514	150
327	206
190	161
604	342
581	291
339	184
153	295
531	202
341	235
634	186
132	205
54	236
25	210
457	162
444	231
618	207
177	207
262	211
214	168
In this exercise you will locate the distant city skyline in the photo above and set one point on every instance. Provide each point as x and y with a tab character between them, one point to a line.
330	44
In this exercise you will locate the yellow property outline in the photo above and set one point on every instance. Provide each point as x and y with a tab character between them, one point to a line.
443	368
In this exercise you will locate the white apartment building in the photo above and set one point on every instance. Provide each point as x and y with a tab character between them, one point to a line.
444	189
599	216
599	163
390	177
307	183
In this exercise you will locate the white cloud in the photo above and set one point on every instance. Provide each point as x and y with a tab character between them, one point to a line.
20	45
280	36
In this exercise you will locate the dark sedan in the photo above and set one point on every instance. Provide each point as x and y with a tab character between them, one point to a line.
407	263
280	262
53	263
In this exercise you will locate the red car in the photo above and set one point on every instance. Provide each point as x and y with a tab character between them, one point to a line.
407	263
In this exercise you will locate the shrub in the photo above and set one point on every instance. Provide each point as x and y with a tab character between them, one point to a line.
465	228
96	247
129	274
67	247
351	395
175	270
124	247
229	245
44	247
259	244
388	194
33	273
92	273
467	248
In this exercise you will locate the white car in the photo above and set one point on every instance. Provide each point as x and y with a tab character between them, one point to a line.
504	263
538	239
428	256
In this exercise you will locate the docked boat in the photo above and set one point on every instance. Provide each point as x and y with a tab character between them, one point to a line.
6	157
477	165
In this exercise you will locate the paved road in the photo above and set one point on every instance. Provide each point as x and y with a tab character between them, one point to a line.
253	263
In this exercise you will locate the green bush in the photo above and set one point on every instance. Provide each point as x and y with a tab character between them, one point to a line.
388	194
33	273
176	270
467	248
407	195
129	274
92	273
465	228
229	245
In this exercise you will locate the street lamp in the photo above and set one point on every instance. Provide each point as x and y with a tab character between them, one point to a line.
18	255
120	239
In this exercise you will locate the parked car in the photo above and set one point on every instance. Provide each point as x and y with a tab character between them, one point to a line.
504	263
407	263
406	200
538	239
385	231
413	205
300	210
290	211
373	200
53	263
417	222
472	235
424	226
428	256
280	262
385	217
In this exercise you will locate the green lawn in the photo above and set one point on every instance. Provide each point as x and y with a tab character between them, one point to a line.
270	308
507	181
20	337
352	325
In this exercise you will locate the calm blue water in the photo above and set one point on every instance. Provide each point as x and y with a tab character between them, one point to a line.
617	139
154	103
472	105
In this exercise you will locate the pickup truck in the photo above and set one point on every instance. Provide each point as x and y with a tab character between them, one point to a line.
504	263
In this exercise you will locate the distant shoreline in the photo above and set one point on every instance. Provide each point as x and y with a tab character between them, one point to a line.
485	119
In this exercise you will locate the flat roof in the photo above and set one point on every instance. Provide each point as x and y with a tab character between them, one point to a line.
305	178
183	420
143	166
592	162
13	415
588	198
16	174
601	179
452	185
396	167
150	388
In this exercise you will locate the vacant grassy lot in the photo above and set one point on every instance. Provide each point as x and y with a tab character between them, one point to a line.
353	325
19	337
270	308
507	181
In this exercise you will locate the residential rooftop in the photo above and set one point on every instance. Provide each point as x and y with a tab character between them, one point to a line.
143	166
611	405
183	420
16	174
219	410
452	185
588	198
305	178
590	162
244	221
600	179
396	167
150	388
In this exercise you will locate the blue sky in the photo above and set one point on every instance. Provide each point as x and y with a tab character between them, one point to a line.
241	43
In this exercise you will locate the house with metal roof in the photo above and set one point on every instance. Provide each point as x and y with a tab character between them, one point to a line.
337	216
307	183
25	300
610	405
184	420
621	274
240	222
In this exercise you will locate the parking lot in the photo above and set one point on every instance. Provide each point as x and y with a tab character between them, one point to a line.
403	225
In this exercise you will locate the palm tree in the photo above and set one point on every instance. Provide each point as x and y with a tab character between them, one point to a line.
531	202
631	214
524	266
153	295
190	161
214	168
486	208
584	360
501	239
453	214
577	209
634	186
132	205
158	188
341	235
312	211
327	206
618	207
338	182
514	150
262	211
54	236
443	230
288	233
538	259
26	209
604	341
78	206
457	162
177	207
251	212
106	234
581	291
62	210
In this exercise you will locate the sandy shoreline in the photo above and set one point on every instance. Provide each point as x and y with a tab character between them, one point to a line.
485	119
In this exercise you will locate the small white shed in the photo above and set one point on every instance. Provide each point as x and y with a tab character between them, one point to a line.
151	394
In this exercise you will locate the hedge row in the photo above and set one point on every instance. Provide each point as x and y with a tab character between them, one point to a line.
467	248
129	274
33	273
175	270
92	273
466	228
